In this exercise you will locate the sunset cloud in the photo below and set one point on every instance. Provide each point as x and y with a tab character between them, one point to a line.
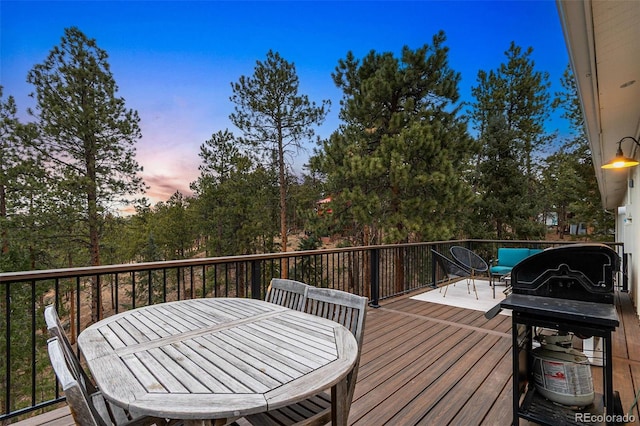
162	187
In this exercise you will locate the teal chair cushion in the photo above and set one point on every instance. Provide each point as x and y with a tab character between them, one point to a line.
500	270
510	257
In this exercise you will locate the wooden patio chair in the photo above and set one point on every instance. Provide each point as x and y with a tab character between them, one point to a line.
55	328
350	311
287	293
86	409
84	389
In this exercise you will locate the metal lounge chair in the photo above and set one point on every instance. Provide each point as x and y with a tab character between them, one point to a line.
469	260
451	269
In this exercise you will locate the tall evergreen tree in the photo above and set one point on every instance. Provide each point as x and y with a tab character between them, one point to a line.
235	199
275	118
519	93
394	166
501	179
9	161
87	134
23	193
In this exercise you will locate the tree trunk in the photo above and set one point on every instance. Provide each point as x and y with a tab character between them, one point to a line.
562	221
72	305
94	227
283	204
4	236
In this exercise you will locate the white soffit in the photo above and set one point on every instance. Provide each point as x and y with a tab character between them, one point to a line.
603	38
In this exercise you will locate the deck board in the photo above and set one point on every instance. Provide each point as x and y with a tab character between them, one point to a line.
427	364
57	417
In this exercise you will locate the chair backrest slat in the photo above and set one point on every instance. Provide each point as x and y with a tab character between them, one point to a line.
344	308
287	293
55	328
77	397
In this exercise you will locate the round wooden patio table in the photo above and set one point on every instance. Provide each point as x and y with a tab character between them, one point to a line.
205	359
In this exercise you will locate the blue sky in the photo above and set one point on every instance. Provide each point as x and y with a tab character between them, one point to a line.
174	61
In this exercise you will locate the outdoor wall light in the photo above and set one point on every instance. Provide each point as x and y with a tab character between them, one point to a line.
620	161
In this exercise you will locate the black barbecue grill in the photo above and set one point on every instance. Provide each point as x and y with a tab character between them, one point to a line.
569	289
576	272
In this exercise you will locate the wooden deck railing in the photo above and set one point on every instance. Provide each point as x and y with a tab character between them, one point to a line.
26	381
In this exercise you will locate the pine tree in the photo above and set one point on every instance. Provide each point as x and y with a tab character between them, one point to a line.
235	199
9	161
394	166
87	134
275	118
24	216
501	179
519	94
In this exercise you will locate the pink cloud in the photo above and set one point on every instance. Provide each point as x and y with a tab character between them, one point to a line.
162	187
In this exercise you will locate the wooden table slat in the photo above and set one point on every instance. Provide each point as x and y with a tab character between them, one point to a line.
176	370
129	333
188	407
293	320
280	397
123	387
293	355
140	323
149	372
291	343
265	358
188	334
214	366
322	343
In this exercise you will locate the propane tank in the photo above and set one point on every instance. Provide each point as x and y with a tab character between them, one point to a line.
561	373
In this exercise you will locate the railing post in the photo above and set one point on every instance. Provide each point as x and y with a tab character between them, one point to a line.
434	277
255	280
98	285
625	276
374	256
7	355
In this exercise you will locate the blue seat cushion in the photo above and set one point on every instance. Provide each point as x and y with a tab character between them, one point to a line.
500	270
511	256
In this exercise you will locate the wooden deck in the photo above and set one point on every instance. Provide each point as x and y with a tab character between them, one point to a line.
430	364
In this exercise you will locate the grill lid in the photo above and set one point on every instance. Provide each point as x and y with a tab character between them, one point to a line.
579	272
